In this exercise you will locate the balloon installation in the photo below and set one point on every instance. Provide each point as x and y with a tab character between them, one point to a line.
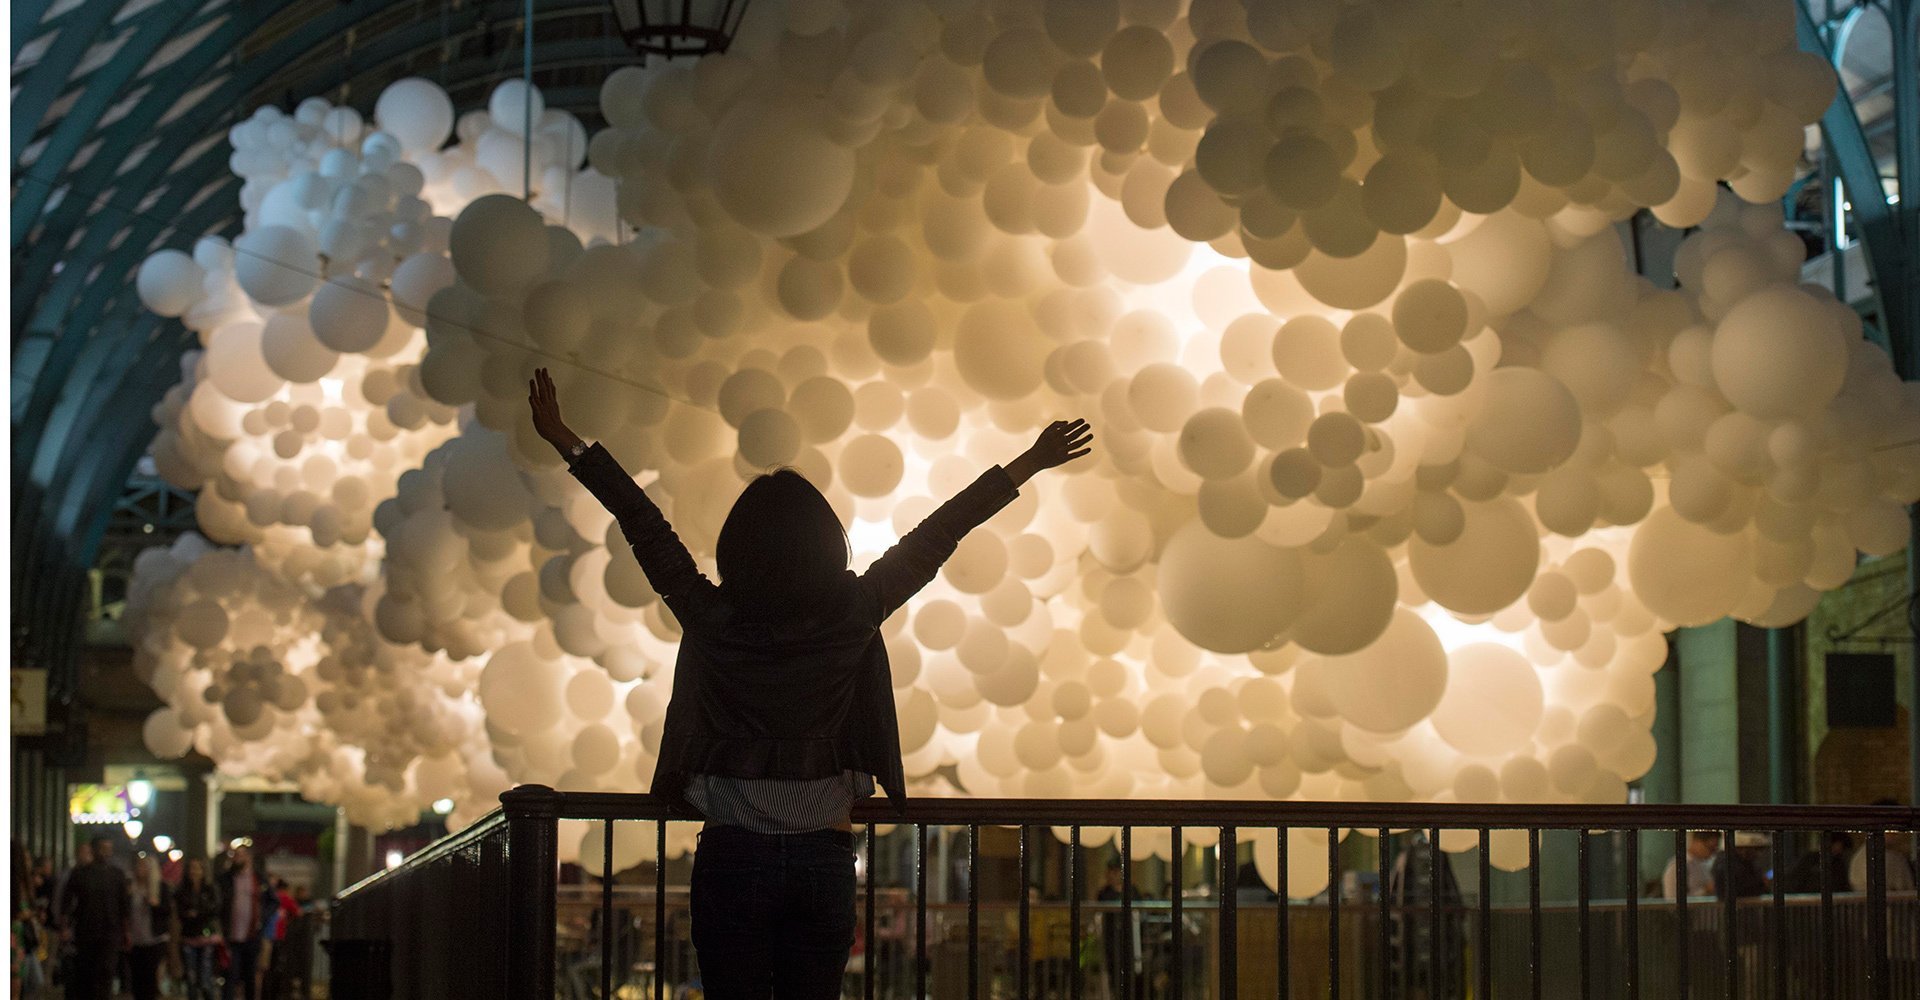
1403	469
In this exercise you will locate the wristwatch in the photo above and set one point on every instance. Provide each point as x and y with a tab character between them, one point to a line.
576	450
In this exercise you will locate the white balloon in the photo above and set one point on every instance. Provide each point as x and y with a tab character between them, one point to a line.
275	265
349	314
169	282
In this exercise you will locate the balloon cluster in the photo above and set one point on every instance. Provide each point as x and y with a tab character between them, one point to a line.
297	421
269	682
1403	469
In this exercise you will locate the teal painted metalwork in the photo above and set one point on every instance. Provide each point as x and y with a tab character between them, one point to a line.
78	123
1889	231
26	16
51	75
89	364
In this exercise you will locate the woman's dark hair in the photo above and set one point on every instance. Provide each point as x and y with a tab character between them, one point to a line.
782	548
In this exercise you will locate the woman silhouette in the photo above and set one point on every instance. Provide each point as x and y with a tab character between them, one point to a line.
782	711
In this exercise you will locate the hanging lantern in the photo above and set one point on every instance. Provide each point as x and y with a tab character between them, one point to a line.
679	27
140	791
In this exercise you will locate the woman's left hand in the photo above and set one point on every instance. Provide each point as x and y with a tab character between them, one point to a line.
1059	443
545	402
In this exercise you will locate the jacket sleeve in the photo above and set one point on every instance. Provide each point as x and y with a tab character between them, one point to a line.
911	563
668	565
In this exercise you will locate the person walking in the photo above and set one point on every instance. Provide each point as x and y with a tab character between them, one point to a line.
149	914
95	903
196	902
1741	871
1702	847
1115	934
27	933
1824	866
275	963
782	711
247	900
1899	867
63	962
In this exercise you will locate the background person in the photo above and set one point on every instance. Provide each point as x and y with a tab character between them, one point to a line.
196	903
1113	929
26	933
1742	870
1831	856
95	904
149	914
274	979
1702	845
246	900
63	960
1900	874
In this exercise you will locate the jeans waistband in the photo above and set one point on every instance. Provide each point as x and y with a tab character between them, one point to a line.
840	838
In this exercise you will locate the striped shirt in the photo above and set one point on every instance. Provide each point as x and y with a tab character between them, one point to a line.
774	805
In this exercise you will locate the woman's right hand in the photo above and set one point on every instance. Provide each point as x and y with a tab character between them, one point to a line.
545	401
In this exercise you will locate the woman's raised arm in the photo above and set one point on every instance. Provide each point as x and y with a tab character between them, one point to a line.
669	567
911	563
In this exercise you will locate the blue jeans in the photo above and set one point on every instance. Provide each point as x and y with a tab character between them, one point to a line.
197	960
773	914
244	959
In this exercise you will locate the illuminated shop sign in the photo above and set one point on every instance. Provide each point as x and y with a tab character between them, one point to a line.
98	804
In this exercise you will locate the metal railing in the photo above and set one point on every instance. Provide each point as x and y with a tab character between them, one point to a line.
437	925
482	912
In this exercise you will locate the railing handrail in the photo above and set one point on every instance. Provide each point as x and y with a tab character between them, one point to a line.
446	845
960	811
1211	903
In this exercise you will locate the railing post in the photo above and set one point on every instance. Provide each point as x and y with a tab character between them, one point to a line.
659	909
1729	900
973	911
1177	895
1283	946
1383	875
1026	939
920	960
1879	970
1333	913
1535	963
1683	930
533	858
1227	916
1633	915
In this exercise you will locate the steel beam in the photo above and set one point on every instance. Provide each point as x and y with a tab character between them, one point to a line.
1885	230
103	87
25	17
73	283
77	329
48	79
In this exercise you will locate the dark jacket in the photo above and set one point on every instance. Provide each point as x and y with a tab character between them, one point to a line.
96	899
198	909
793	700
265	903
1736	874
1806	875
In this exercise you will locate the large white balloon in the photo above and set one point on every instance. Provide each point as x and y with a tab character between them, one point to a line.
276	265
773	170
416	112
